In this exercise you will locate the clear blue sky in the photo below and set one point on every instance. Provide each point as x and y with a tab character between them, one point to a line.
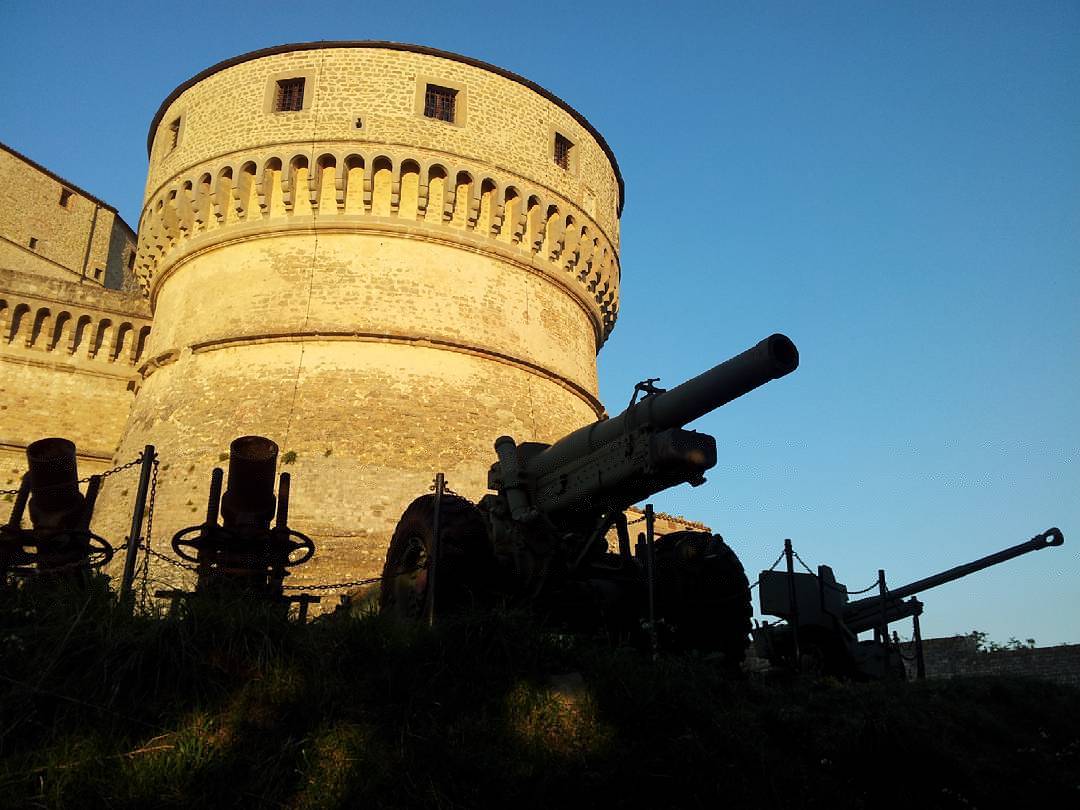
894	185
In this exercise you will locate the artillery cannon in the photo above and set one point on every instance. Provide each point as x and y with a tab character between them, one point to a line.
244	554
823	625
541	538
60	542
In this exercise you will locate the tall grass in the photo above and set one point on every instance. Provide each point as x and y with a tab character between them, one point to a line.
230	705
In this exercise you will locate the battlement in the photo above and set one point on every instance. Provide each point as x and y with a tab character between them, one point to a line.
406	193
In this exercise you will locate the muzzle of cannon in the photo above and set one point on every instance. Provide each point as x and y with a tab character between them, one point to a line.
60	540
244	553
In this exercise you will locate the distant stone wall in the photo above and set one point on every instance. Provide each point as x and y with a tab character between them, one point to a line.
52	228
68	355
959	656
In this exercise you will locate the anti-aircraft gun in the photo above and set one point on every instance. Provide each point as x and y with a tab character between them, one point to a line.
824	626
541	539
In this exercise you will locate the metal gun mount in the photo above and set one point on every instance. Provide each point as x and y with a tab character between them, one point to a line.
820	621
540	538
60	542
244	554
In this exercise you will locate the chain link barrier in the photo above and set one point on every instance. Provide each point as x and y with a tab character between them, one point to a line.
102	475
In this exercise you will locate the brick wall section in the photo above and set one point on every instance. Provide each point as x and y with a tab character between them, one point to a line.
958	656
83	236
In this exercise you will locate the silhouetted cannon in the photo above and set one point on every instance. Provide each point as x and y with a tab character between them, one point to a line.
244	554
817	613
60	541
541	538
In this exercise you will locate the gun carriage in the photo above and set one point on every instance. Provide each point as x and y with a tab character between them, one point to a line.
540	539
820	624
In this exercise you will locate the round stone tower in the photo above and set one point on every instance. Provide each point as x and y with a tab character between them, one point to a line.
382	257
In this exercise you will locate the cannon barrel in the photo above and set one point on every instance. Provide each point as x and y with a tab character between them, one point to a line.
1051	537
249	493
770	359
55	500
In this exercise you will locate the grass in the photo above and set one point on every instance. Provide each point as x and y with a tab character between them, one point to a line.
235	707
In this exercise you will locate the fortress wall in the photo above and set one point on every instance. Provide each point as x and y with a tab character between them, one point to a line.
506	125
68	359
369	425
81	234
382	301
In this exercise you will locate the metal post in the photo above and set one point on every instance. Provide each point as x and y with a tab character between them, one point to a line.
135	532
789	554
650	575
14	526
883	627
920	663
440	485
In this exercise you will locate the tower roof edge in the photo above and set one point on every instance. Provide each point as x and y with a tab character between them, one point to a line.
394	46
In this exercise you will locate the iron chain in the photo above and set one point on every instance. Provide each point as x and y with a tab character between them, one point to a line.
105	474
333	585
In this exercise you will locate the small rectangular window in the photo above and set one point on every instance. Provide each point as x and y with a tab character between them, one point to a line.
439	103
33	243
65	197
131	260
97	274
174	135
290	95
563	145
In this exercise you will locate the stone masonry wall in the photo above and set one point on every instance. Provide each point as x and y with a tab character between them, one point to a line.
68	354
959	656
382	301
81	238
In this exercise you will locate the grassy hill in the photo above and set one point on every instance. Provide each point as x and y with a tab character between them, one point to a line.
235	708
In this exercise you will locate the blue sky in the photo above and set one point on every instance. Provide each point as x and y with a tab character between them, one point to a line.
894	185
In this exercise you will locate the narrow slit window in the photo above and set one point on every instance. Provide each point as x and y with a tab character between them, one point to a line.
33	243
174	134
440	103
290	95
97	274
65	197
563	146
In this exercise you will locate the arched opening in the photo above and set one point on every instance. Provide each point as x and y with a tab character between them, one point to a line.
100	335
81	336
270	188
18	321
61	330
410	189
462	191
354	184
296	188
436	194
326	183
42	319
382	179
485	222
124	335
140	343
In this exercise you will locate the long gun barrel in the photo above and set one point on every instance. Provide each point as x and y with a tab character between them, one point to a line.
772	358
854	611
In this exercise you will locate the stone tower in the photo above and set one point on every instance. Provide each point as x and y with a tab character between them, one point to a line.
381	256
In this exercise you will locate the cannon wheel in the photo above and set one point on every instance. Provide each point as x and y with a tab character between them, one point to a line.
463	558
702	595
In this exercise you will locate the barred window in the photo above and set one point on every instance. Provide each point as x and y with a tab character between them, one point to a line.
439	103
563	145
290	95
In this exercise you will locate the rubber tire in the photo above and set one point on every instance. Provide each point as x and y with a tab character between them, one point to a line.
702	596
464	558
